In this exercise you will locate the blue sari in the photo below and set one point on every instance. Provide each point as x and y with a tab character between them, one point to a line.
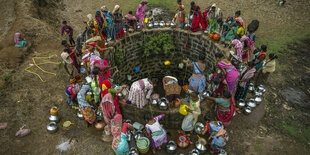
123	148
110	29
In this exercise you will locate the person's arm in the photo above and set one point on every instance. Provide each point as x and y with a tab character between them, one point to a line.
120	90
159	117
204	131
148	96
210	98
114	73
62	30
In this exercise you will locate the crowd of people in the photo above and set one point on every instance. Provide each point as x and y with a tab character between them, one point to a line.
84	57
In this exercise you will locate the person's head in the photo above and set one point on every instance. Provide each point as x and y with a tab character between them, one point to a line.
143	2
216	80
191	12
250	65
179	1
64	42
219	56
251	31
237	13
272	56
226	94
98	14
104	9
202	57
207	119
64	22
264	48
153	81
147	117
257	50
96	70
213	7
193	5
150	13
130	12
194	96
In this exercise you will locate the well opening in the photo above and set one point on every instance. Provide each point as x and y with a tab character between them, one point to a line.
132	55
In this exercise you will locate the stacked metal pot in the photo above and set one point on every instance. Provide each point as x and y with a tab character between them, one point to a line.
54	119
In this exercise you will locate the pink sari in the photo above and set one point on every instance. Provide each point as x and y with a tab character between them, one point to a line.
141	13
105	76
231	75
227	115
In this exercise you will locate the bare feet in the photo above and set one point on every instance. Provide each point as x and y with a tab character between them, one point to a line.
153	150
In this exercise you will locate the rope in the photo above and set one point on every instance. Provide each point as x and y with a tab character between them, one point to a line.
37	65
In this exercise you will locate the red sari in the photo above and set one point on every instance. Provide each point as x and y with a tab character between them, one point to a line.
196	20
204	20
227	115
105	90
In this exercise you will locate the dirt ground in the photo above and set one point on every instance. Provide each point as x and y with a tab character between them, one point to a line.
282	129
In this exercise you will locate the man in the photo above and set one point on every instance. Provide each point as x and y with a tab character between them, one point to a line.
79	42
69	31
131	21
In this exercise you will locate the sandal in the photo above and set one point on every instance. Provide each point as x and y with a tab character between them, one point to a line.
22	132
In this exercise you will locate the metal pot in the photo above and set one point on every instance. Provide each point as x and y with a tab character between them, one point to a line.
133	151
182	141
138	135
54	118
200	147
138	28
247	110
251	103
51	127
194	152
156	24
258	93
150	25
186	26
163	103
222	152
206	93
258	99
172	25
199	127
171	147
206	32
251	89
129	136
128	121
261	88
241	103
162	24
154	102
80	115
138	126
167	24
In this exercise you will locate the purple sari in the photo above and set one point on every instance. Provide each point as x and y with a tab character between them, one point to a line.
231	75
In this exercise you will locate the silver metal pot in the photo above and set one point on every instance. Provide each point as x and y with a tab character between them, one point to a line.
162	24
258	99
206	93
247	110
199	127
241	103
133	151
186	26
206	32
138	135
150	25
138	28
251	103
251	89
172	25
80	115
194	152
258	93
54	118
52	127
222	152
200	147
138	126
261	88
156	24
154	102
171	147
129	136
163	103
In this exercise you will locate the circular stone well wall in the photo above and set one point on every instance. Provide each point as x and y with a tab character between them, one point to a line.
153	66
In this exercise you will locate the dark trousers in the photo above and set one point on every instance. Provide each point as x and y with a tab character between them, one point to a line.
71	40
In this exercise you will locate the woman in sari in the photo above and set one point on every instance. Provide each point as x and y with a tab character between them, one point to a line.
248	48
110	26
238	46
217	133
246	75
269	67
196	19
197	81
70	68
71	92
172	89
141	12
232	30
85	107
118	20
180	20
230	72
101	69
138	89
159	136
119	130
19	40
106	88
225	108
238	18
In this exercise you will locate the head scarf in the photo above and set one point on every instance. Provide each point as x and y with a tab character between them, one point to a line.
116	8
213	5
90	17
104	8
98	12
106	85
143	1
16	38
107	106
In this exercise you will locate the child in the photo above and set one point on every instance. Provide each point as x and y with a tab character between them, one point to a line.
69	31
218	84
159	136
150	17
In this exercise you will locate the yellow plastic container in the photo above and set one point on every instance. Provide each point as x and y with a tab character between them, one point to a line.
183	110
146	20
167	63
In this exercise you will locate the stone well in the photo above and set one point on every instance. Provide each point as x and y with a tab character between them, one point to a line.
153	67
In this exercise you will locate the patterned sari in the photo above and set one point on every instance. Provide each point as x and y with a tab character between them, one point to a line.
159	136
85	108
231	75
